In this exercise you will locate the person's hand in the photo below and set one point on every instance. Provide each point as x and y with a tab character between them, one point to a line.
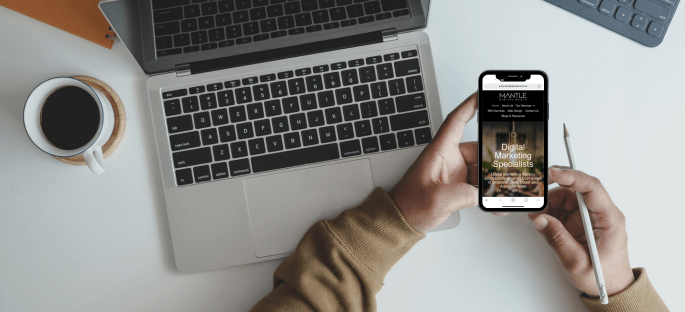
442	179
562	226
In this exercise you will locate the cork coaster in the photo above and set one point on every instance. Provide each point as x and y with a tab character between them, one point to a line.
119	121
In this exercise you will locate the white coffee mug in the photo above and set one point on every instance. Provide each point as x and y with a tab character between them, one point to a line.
92	151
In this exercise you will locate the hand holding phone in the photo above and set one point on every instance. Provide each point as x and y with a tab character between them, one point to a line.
512	140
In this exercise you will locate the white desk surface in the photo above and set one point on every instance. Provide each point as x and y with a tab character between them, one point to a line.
73	241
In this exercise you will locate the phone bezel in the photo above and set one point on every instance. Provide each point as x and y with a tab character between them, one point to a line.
480	136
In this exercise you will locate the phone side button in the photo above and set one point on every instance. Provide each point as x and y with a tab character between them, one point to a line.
547	111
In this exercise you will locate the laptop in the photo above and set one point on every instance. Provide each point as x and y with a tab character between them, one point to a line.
271	115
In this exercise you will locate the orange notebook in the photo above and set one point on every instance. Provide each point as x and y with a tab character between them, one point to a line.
79	17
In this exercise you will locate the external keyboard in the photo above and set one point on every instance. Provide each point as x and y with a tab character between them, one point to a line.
644	21
349	107
185	26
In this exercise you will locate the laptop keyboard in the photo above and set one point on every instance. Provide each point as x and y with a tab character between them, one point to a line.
346	108
185	26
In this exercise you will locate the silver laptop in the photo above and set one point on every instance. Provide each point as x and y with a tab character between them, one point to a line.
270	115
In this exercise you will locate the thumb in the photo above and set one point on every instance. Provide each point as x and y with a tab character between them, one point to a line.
570	252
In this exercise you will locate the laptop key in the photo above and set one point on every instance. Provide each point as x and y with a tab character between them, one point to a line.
244	130
367	74
349	77
351	112
299	157
657	11
324	4
280	124
209	8
243	95
243	4
257	14
607	8
405	138
345	131
208	101
215	86
308	102
411	102
397	87
179	124
209	136
291	105
655	29
320	17
226	98
199	37
414	84
292	140
623	15
279	89
167	15
201	120
202	174
332	80
169	52
190	104
388	141
309	5
362	128
219	117
423	135
184	177
172	107
298	121
192	157
273	108
391	57
383	16
241	17
409	120
370	145
191	49
409	54
391	5
379	90
366	19
354	11
380	125
310	137
339	66
314	83
232	84
400	13
333	25
274	10
350	148
361	93
325	99
286	22
639	22
274	143
261	92
184	141
205	22
296	86
372	7
220	171
163	4
259	3
208	46
262	127
226	6
216	34
313	28
369	109
327	134
227	134
343	96
175	93
338	14
237	113
165	29
292	7
256	146
286	74
233	32
333	115
239	167
239	149
315	118
255	111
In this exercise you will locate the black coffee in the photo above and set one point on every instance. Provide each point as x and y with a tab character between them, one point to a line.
70	118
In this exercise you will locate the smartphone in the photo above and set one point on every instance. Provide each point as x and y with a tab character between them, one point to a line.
513	113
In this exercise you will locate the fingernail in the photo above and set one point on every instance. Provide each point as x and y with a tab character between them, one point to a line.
540	223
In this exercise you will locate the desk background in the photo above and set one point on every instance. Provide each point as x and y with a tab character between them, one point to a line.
71	241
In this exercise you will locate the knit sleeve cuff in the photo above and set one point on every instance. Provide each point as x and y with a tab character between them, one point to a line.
375	233
639	296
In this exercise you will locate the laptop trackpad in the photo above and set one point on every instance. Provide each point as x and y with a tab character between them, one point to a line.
282	207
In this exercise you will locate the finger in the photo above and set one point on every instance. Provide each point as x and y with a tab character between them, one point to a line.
560	202
570	252
596	196
549	178
453	127
469	150
467	195
472	175
500	214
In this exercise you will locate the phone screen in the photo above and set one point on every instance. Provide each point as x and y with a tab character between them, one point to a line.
512	140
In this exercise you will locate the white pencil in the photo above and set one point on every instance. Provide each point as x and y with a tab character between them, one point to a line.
587	225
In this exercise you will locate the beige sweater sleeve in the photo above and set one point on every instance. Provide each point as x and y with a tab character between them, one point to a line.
340	264
638	297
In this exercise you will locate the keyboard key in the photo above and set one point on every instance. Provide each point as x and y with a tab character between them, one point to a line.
374	60
241	16
410	53
655	29
244	40
414	84
361	93
338	14
175	93
244	130
250	29
279	89
226	6
164	42
294	158
405	138
310	137
269	25
354	11
184	177
215	86
259	3
384	71
411	102
220	171
332	80
296	86
169	28
313	28
314	83
191	49
226	98
607	8
303	19
201	120
274	10
239	167
370	145
321	69
219	117
409	120
320	17
326	4
239	149
181	40
657	11
355	63
315	118
196	90
169	52
273	108
391	5
190	104
383	16
163	4
280	124
366	19
227	134
267	78
192	157
208	101
179	124
234	31
237	113
298	121
209	8
345	131
205	22
362	128
191	11
291	105
379	90
286	22
380	125
274	143
639	22
369	109
367	74
257	14
308	102
292	140
208	46
349	77
309	5
391	57
346	2
338	66
388	141
286	75
333	25
350	148
209	136
232	84
172	107
261	92
400	13
303	71
262	127
201	174
292	7
255	111
221	152
184	141
623	15
397	87
256	146
423	136
243	95
343	96
325	99
333	115
347	23
327	134
408	67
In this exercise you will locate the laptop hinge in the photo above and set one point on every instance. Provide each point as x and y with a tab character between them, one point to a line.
389	35
286	52
182	70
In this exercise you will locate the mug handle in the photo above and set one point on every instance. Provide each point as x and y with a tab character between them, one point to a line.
95	160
